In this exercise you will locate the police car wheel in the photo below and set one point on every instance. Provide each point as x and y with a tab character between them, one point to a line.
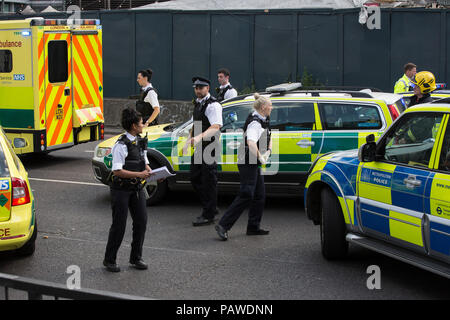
156	190
332	227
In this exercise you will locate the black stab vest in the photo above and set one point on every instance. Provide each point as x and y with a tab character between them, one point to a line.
134	161
199	115
265	124
221	92
145	108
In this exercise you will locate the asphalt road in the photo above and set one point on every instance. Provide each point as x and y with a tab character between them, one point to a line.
185	262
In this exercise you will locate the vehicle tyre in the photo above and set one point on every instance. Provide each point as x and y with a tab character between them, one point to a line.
156	190
332	227
28	248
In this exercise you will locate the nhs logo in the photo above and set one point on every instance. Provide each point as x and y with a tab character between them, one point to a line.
4	185
19	77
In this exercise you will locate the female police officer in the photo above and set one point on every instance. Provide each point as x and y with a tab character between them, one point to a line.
258	144
147	104
130	168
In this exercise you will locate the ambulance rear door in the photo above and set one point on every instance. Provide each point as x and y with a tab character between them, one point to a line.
58	89
87	81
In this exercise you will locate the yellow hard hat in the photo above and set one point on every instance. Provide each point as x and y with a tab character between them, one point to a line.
425	80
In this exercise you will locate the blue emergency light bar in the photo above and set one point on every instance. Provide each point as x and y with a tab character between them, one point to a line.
38	21
441	85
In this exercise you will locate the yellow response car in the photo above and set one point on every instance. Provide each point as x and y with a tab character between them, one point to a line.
393	196
305	124
18	229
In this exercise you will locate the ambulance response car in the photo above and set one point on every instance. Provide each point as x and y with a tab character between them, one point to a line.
51	83
305	124
393	196
18	227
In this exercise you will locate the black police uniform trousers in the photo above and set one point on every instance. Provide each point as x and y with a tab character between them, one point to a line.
121	201
251	195
204	182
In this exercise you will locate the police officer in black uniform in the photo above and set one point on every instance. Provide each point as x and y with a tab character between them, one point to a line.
204	136
130	168
226	90
258	145
147	103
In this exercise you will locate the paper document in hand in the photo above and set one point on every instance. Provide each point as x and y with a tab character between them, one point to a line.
160	173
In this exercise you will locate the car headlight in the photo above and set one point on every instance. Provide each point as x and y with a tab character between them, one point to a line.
102	152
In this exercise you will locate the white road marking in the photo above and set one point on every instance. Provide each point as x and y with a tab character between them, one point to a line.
126	243
71	182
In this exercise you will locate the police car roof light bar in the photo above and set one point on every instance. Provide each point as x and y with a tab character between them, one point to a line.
354	94
39	21
284	87
348	88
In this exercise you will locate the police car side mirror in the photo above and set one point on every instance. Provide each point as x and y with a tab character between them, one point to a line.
370	138
367	152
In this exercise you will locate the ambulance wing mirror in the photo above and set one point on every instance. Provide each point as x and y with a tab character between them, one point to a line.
367	152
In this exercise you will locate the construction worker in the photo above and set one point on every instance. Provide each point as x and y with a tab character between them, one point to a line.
404	83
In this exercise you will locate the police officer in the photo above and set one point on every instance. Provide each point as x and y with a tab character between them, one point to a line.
258	145
424	83
147	104
404	83
226	90
130	168
204	136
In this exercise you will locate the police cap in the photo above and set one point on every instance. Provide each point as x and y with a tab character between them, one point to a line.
199	81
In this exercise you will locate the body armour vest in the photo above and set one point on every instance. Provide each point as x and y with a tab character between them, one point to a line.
265	136
134	161
145	108
221	92
199	115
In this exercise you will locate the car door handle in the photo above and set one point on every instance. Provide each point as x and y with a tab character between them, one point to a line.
305	143
412	182
233	145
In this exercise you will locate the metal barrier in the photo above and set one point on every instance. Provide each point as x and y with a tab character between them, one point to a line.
37	289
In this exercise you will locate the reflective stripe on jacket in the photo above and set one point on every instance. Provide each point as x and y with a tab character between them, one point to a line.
402	84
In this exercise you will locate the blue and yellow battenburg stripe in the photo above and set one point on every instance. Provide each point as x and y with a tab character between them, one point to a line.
387	206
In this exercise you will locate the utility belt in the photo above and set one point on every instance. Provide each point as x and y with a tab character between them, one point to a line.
132	184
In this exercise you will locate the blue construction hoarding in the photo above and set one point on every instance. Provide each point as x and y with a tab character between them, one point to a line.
264	48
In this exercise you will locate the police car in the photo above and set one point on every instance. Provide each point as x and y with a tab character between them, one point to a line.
391	196
305	124
18	228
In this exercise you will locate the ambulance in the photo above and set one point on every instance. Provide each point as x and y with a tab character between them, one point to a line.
51	83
